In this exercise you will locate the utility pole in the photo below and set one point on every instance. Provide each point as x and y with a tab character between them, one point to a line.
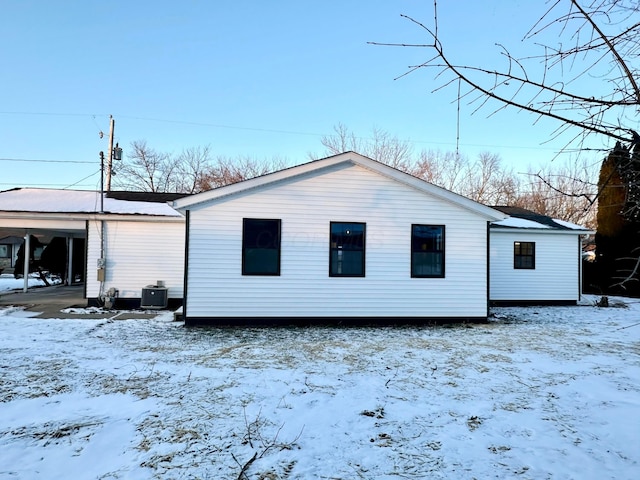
101	262
113	154
112	125
101	182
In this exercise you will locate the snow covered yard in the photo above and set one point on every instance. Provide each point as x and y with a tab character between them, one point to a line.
8	282
536	393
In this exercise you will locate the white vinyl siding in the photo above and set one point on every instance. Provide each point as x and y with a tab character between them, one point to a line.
139	253
555	277
93	253
306	207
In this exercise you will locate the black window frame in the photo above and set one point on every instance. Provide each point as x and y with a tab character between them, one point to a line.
416	248
249	244
338	246
519	258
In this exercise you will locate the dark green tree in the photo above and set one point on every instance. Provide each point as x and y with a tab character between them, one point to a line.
617	265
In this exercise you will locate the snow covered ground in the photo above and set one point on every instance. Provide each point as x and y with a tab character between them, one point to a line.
9	283
537	393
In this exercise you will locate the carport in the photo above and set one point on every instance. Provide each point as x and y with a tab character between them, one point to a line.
27	230
119	242
33	217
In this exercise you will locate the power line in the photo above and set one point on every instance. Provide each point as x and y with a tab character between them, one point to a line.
315	134
81	180
33	160
266	130
59	185
217	125
56	114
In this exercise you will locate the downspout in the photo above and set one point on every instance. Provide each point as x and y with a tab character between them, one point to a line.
186	268
579	267
488	267
85	271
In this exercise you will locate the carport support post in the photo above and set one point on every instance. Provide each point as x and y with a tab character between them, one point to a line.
69	260
27	257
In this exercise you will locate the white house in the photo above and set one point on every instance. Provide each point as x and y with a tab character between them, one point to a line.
535	259
127	241
342	238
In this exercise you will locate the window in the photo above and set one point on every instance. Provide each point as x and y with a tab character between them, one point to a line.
347	250
524	255
4	251
260	247
427	251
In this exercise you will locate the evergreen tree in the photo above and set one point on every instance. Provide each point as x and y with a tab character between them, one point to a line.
618	234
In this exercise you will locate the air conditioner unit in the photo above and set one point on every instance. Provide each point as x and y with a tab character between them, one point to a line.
154	296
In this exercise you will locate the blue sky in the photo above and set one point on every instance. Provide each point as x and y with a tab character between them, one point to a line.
259	78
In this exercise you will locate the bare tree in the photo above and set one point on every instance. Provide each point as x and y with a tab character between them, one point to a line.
602	39
445	169
380	145
146	170
564	191
149	170
561	191
489	182
191	168
226	170
484	180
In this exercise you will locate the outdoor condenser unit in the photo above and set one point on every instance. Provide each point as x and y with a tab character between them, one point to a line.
154	296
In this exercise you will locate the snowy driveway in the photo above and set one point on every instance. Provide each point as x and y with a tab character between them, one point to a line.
537	393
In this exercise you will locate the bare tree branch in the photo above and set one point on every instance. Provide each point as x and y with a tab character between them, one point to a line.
515	86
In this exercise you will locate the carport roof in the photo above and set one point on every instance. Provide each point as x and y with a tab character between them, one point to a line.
42	200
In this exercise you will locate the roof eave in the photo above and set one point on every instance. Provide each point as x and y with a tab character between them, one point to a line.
31	215
574	231
488	213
